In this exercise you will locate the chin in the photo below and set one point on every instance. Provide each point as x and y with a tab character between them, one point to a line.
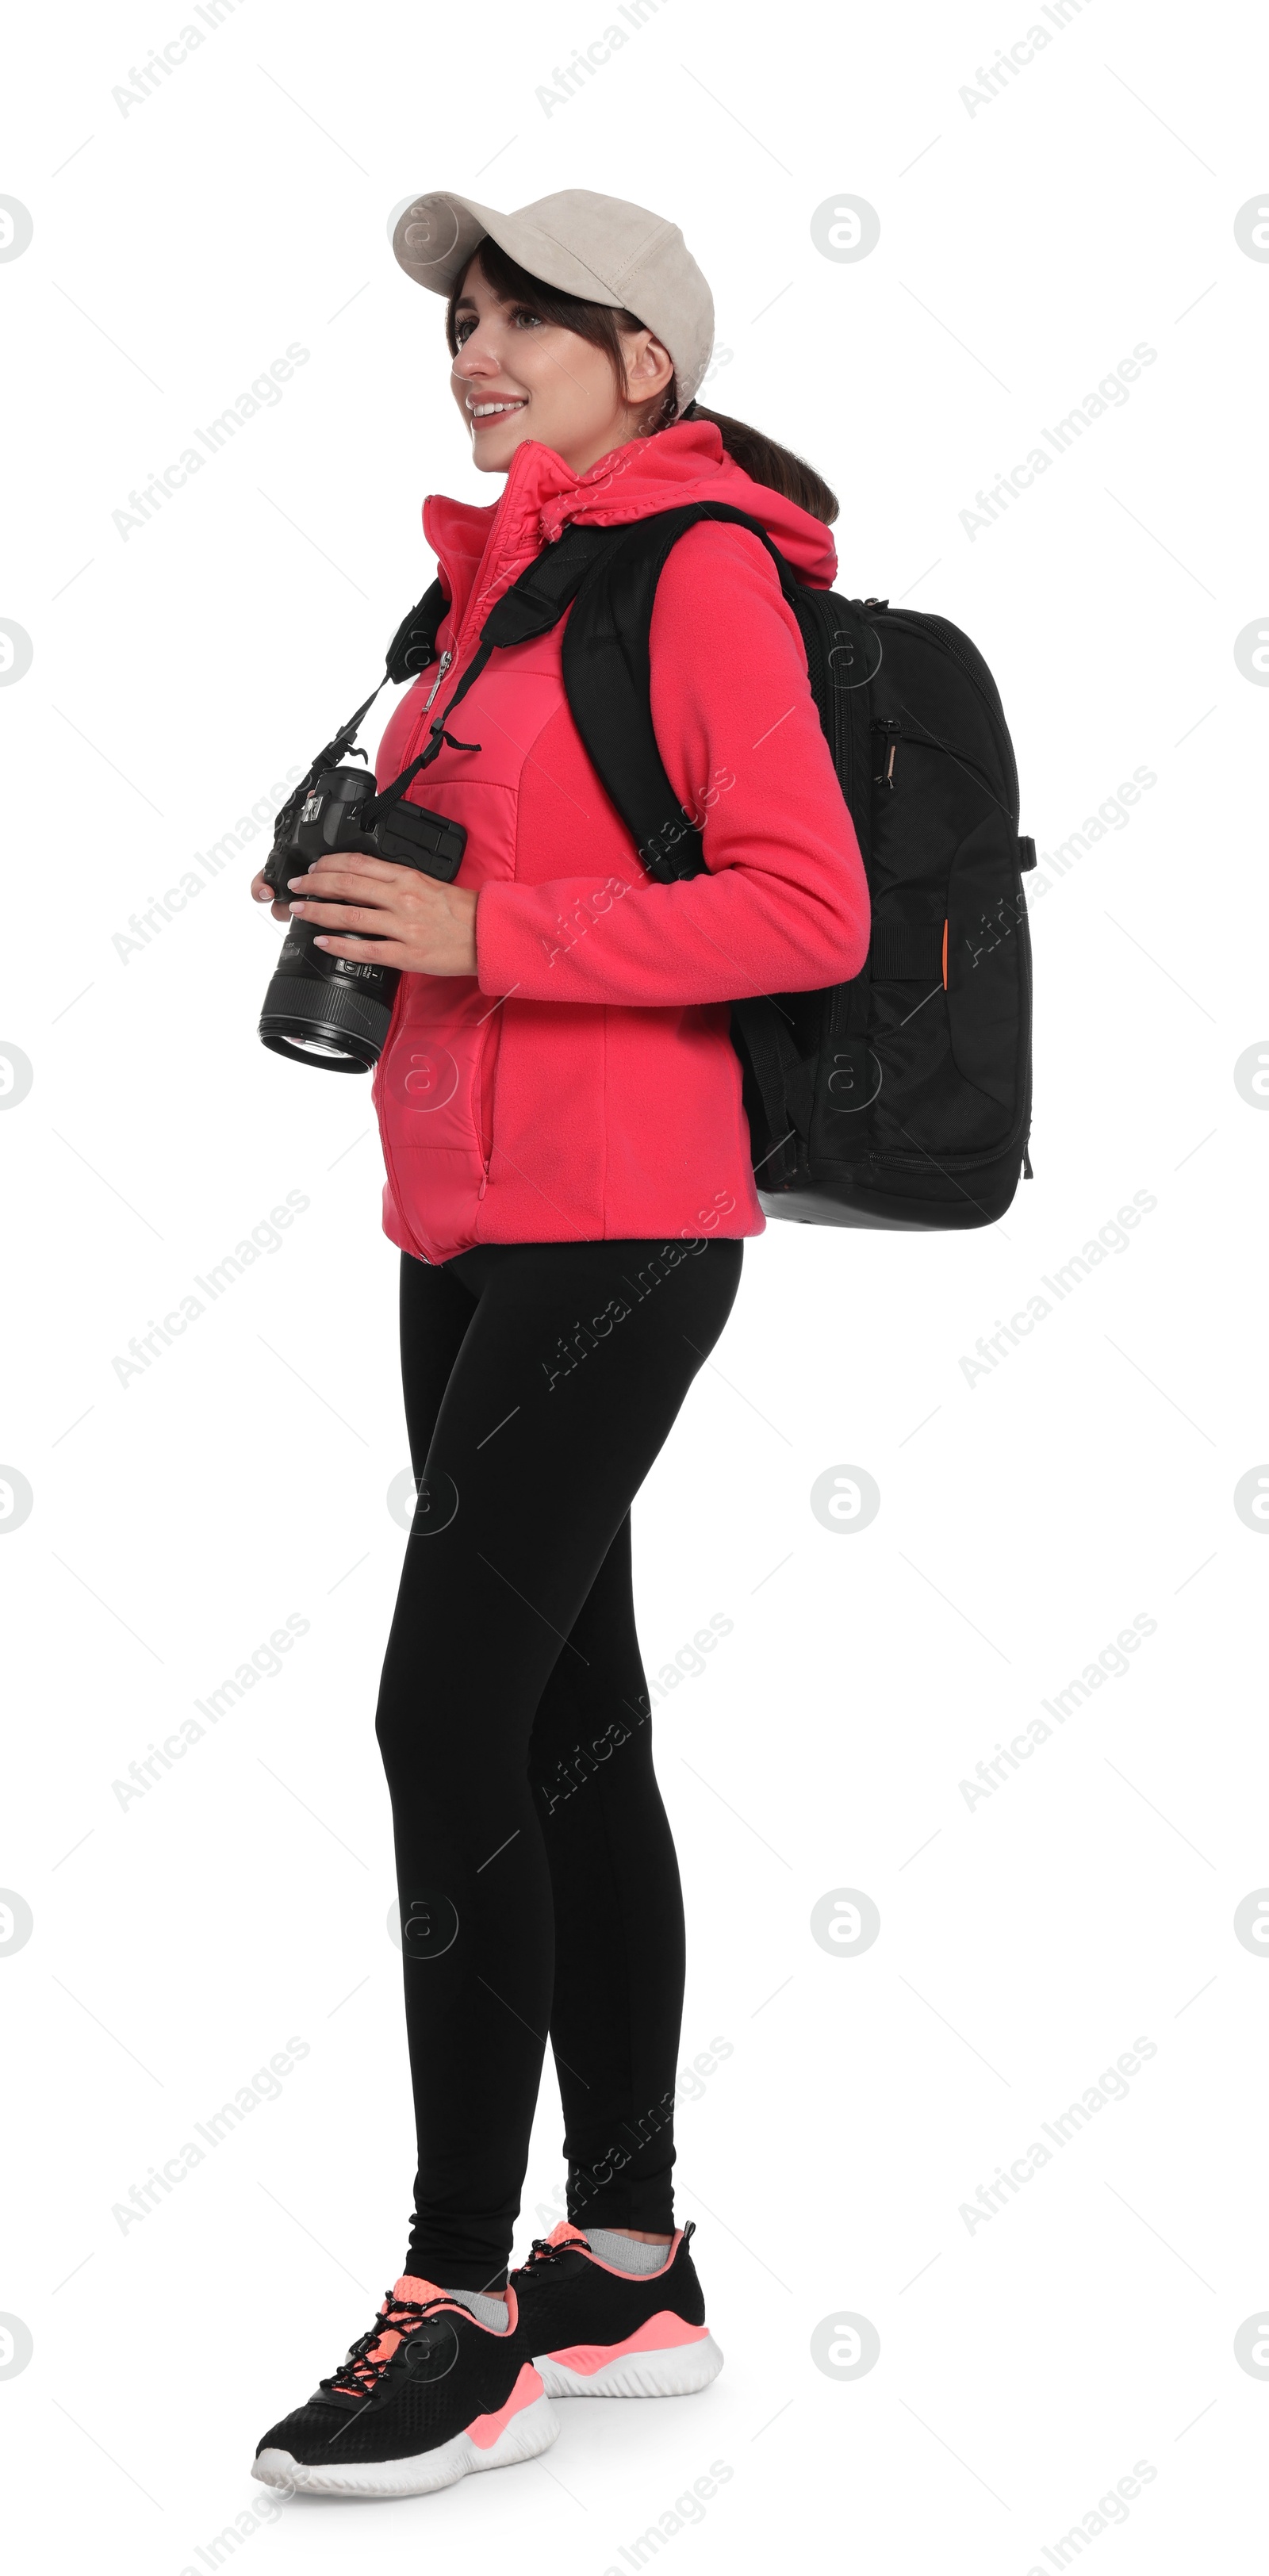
493	456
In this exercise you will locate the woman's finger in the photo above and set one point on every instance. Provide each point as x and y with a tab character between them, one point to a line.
375	952
263	892
353	866
347	917
346	891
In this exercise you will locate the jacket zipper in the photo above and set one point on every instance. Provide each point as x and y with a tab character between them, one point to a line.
451	657
441	669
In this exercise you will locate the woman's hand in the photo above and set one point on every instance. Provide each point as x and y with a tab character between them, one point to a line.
416	922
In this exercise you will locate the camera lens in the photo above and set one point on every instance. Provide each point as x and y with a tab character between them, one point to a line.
325	1020
335	1012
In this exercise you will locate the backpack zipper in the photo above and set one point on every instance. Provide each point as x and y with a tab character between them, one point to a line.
891	727
891	731
951	1162
813	620
976	672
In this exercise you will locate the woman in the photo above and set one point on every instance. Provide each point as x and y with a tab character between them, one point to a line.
569	1185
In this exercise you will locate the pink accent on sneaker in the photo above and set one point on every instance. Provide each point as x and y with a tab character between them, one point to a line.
662	2333
615	2268
418	2291
485	2429
406	2288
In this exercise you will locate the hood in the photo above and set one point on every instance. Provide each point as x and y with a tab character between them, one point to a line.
542	495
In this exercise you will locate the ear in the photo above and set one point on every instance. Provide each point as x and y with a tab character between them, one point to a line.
651	369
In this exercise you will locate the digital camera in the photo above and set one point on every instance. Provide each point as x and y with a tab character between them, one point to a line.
334	1011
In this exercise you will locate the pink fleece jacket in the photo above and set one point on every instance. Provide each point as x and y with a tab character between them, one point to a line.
583	1084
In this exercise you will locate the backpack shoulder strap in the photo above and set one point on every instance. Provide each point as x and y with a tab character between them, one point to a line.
608	682
608	677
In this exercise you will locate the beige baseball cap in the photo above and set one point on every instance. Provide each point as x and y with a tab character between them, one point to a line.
601	248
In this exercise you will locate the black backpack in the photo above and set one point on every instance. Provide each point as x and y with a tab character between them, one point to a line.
901	1099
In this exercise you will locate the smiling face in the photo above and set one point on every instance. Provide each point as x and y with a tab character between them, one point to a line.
516	376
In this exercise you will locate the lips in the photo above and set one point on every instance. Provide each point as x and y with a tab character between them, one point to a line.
506	405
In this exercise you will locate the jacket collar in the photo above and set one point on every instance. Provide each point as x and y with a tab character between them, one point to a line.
481	549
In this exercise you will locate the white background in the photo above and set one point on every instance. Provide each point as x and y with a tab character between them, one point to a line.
1028	2363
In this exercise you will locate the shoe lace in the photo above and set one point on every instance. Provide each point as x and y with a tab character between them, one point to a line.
366	2360
543	2251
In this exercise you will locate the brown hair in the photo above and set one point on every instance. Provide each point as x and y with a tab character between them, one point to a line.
602	325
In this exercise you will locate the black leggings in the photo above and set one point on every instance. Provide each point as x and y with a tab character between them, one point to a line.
538	1883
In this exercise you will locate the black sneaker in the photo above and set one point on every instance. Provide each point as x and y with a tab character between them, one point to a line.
426	2395
596	2332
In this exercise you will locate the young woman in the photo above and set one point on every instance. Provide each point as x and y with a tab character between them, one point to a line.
569	1184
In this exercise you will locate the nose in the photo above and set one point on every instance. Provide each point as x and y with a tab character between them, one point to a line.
473	359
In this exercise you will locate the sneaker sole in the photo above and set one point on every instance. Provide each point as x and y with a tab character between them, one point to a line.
680	2371
528	2433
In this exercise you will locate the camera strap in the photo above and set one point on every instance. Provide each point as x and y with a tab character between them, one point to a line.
413	646
532	606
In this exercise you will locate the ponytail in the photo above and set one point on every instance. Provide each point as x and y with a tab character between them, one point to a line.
767	462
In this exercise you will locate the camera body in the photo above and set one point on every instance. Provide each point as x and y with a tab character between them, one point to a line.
325	817
334	1011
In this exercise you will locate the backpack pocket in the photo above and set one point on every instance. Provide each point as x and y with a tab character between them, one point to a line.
989	968
949	1023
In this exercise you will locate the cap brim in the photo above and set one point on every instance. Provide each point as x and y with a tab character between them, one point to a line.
436	234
